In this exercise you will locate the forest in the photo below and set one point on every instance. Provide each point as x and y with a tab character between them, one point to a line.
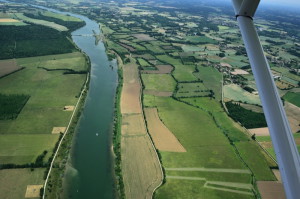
32	40
11	105
247	118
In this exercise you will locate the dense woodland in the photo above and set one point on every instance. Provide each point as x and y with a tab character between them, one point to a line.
247	118
32	40
11	105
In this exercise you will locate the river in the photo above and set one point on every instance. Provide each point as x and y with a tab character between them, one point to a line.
90	172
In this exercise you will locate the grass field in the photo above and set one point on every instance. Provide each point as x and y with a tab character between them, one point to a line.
13	182
192	89
293	98
206	146
22	149
212	79
236	93
159	82
41	22
61	16
43	86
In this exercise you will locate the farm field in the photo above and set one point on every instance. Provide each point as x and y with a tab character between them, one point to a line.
42	86
58	27
14	182
293	98
27	143
8	66
140	178
236	93
158	82
22	149
185	98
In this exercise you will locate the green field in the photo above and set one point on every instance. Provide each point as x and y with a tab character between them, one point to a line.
200	40
22	149
192	89
48	96
143	63
294	98
41	22
206	146
13	182
236	93
159	82
61	16
212	79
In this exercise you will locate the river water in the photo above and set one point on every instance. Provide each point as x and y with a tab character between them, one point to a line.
90	170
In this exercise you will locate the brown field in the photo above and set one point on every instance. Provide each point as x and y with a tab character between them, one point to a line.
277	174
143	37
133	124
163	138
57	130
158	93
283	85
129	102
293	114
260	131
127	47
162	69
33	191
69	108
14	182
8	66
239	72
271	190
252	107
8	20
226	65
141	168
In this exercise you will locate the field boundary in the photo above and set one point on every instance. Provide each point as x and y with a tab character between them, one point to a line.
65	133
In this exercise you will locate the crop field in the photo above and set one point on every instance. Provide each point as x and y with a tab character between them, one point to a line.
42	86
195	133
143	63
285	72
163	138
23	140
60	16
41	22
193	89
8	66
140	177
236	93
293	98
187	48
212	79
22	149
293	114
158	82
14	182
11	22
161	69
200	39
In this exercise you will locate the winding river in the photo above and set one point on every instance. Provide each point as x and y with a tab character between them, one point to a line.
90	171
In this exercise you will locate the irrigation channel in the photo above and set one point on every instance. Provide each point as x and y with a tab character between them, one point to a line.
90	172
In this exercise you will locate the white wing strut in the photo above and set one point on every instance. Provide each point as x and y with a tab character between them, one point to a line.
282	138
